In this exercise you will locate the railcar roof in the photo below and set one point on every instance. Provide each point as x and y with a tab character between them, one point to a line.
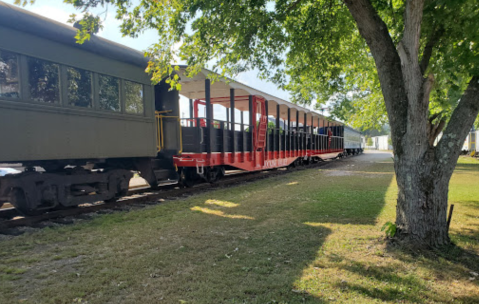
194	88
19	19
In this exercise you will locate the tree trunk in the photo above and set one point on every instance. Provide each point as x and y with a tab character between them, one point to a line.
422	170
421	211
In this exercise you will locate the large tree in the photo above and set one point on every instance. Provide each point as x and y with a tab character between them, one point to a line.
409	58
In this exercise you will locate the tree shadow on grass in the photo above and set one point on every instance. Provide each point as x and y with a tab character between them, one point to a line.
284	241
255	264
387	283
467	167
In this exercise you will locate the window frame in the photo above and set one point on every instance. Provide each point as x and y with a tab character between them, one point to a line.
63	101
27	89
120	111
19	73
64	86
142	97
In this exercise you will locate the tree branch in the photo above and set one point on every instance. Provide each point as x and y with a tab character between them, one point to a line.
435	130
431	43
412	27
408	50
293	6
459	125
388	65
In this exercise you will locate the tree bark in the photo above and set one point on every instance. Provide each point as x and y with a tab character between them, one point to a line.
423	183
421	204
422	170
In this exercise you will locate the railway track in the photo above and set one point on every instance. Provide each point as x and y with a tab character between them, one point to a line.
10	218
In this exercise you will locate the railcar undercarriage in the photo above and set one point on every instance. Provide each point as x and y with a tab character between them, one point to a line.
33	192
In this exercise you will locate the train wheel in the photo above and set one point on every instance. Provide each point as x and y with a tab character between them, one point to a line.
214	174
122	186
19	200
188	178
292	165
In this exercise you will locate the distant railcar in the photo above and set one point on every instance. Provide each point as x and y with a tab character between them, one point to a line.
352	141
88	116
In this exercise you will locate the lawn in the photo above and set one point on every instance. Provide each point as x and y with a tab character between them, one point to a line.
311	236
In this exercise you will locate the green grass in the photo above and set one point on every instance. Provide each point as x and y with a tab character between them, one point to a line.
308	237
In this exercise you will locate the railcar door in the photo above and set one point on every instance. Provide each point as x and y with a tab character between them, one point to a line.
167	110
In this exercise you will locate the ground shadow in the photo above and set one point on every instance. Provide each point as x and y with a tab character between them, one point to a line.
276	245
401	286
215	248
467	167
356	191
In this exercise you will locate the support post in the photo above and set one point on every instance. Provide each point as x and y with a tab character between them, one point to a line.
210	143
305	133
233	126
266	148
227	119
278	128
223	139
318	147
328	146
191	113
243	137
313	142
252	122
297	130
324	133
289	132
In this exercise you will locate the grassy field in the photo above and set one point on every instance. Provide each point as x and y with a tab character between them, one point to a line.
308	237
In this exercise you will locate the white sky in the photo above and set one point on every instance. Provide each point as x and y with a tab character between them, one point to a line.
59	11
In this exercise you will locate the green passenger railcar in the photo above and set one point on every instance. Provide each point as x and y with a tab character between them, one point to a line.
83	113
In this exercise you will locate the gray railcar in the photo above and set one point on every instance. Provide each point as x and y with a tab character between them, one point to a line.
352	141
89	107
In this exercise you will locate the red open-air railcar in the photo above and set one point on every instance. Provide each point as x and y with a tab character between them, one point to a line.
211	146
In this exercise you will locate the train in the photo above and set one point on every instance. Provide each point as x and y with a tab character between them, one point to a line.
80	119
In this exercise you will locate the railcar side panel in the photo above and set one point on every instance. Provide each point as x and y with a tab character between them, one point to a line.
58	130
352	138
36	134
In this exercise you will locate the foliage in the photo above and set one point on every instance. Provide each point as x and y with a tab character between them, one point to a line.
312	48
271	127
383	130
389	228
369	141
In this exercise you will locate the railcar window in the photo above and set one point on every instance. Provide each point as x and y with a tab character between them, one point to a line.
133	97
43	80
79	88
109	93
9	84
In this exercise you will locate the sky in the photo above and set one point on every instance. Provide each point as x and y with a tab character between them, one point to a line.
59	11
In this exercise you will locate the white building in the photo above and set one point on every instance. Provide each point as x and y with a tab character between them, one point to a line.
380	143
